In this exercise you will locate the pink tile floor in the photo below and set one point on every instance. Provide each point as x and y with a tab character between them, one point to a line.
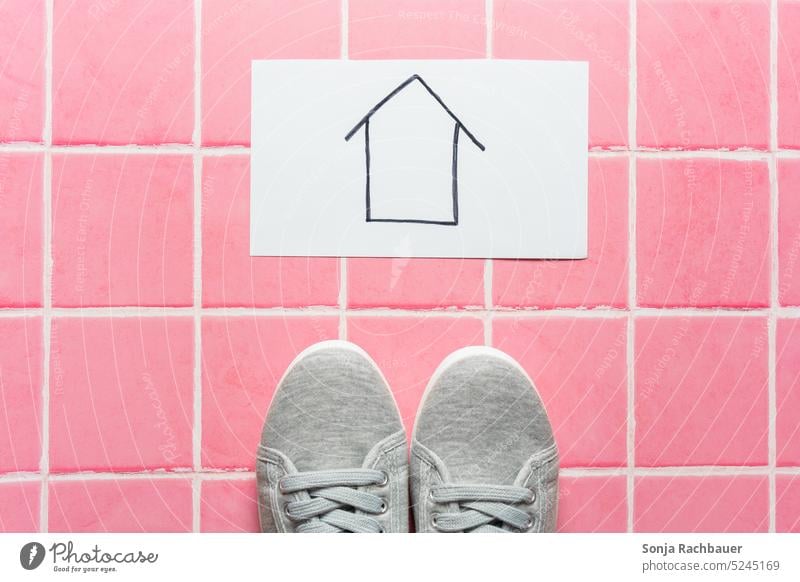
141	343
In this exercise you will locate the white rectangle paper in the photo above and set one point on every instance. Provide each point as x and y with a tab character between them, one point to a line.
419	159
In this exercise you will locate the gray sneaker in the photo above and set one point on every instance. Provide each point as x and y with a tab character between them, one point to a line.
483	457
333	454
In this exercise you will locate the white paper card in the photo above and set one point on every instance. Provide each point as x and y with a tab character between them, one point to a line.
419	159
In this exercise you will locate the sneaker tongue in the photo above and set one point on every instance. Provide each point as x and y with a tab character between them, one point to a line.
485	474
455	470
327	450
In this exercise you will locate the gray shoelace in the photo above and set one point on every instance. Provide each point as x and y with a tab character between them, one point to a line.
332	499
482	508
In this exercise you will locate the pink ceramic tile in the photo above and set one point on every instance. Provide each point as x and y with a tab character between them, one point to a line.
235	33
122	230
409	349
19	506
121	393
787	506
701	391
788	392
702	233
789	232
130	505
417	29
788	74
414	283
231	277
592	504
600	280
20	229
20	394
229	506
578	30
243	360
703	74
123	72
578	366
701	504
22	30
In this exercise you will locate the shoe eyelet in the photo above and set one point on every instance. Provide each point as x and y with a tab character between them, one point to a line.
281	486
384	480
286	512
381	530
435	521
432	497
529	525
384	506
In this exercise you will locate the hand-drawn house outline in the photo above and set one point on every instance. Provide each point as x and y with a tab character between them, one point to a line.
459	127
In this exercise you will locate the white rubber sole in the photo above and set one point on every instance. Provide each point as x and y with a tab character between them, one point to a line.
463	354
339	345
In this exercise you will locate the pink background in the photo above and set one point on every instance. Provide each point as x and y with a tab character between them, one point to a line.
141	343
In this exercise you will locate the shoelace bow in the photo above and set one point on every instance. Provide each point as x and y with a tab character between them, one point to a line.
334	496
482	508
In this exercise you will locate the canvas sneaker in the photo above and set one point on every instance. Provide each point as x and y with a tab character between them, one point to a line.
483	457
333	454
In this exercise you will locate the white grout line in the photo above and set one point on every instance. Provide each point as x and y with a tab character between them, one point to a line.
489	17
188	148
22	476
593	472
198	77
630	435
471	312
488	328
773	76
47	275
344	41
123	311
488	265
342	309
722	154
702	311
231	150
242	474
687	471
525	312
488	270
630	353
219	151
772	412
196	501
111	476
774	281
23	311
700	471
198	263
227	474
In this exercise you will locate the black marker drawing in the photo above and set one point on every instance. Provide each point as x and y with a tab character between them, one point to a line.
457	130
